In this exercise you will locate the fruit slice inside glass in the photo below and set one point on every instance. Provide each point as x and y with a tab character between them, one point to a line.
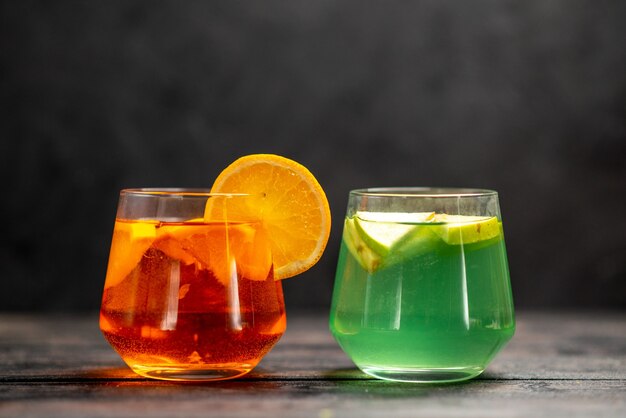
186	297
422	291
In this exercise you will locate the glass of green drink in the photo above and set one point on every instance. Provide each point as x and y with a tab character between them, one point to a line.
422	290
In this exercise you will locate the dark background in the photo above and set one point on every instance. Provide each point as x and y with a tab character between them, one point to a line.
525	97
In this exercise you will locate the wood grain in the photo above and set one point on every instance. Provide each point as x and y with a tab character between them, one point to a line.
558	364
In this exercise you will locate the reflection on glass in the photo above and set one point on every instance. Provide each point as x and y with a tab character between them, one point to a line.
422	290
189	296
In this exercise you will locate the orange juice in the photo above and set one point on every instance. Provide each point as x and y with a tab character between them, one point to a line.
184	299
193	287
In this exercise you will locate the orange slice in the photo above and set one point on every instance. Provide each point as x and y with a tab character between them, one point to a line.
289	202
171	241
229	251
130	241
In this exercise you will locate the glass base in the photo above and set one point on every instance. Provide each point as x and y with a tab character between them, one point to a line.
423	375
192	373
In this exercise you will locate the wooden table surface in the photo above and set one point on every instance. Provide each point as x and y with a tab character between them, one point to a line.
557	365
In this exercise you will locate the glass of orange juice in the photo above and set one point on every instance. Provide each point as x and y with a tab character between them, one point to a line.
190	292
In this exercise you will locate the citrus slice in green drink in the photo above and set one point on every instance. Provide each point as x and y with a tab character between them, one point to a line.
460	229
382	230
382	239
371	236
366	256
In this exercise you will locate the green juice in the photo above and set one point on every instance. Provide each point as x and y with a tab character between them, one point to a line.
437	301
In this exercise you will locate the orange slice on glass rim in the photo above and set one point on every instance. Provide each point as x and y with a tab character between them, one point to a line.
289	202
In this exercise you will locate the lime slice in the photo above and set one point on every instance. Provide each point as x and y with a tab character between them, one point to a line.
380	236
382	239
367	257
371	236
459	229
381	230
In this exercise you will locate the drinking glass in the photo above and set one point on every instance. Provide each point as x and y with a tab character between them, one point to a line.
422	290
189	291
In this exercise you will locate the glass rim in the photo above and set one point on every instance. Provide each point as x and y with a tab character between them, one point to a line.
420	192
178	192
